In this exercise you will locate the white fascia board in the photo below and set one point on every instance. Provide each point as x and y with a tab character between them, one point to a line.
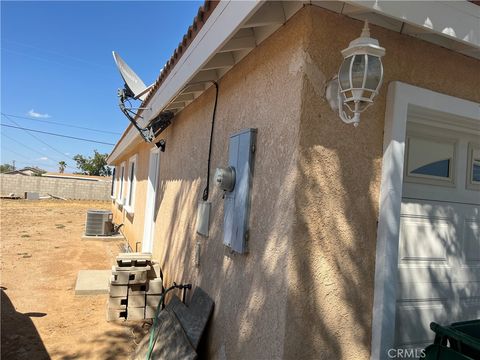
222	24
458	20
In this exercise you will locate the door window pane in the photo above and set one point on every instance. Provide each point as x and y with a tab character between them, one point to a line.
430	158
438	168
473	177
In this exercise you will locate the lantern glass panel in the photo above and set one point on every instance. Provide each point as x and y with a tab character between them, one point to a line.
358	71
344	74
374	72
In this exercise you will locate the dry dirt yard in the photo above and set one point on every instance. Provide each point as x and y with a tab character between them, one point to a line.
41	254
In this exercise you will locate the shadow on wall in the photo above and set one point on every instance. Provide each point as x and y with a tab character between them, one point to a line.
177	200
20	338
332	260
333	249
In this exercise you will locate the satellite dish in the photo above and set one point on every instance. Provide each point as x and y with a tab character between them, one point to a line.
132	80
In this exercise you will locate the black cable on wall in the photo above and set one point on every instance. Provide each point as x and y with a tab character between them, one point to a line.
206	190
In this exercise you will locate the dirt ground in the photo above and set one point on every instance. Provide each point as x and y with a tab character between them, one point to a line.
41	254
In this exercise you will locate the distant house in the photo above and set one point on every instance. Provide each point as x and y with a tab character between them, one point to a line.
28	171
347	242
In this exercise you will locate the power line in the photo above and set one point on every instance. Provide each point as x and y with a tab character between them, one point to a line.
42	49
29	148
35	137
62	124
59	135
16	153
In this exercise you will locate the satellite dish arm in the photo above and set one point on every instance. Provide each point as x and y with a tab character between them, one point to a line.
123	95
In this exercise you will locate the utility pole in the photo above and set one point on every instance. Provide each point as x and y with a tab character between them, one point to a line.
13	163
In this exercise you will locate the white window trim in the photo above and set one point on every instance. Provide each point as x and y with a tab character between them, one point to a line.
131	187
120	200
113	194
471	185
401	100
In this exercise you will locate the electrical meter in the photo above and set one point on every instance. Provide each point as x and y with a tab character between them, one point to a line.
225	178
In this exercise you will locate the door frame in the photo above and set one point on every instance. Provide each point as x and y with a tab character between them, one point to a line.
402	100
150	200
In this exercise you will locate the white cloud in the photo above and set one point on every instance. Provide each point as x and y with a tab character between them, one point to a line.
34	114
67	153
43	158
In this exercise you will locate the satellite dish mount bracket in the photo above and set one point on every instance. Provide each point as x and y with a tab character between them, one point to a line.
154	128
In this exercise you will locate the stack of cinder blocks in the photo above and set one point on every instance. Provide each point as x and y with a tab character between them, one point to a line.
135	287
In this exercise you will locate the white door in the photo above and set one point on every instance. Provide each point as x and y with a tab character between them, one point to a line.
439	245
149	222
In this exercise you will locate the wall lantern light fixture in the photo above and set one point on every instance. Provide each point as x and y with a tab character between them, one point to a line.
359	78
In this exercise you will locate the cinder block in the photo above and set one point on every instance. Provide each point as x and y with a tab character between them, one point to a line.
119	277
116	314
132	262
150	312
152	300
155	286
135	313
131	268
136	300
155	271
118	290
117	302
136	290
128	277
134	256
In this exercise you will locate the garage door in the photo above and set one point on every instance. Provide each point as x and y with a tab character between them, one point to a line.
439	245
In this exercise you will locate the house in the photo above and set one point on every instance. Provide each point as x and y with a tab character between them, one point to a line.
342	242
27	171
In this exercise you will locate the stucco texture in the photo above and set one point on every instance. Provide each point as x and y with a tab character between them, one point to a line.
250	291
133	224
305	288
332	253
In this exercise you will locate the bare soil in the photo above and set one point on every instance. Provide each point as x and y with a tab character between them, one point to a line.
41	254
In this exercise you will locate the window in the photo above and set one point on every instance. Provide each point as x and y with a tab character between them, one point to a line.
114	181
131	184
473	168
430	160
121	180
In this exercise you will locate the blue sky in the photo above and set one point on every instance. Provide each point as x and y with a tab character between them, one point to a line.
57	66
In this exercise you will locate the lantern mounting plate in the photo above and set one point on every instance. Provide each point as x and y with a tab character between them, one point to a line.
334	98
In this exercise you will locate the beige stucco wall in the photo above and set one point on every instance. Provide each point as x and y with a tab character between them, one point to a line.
250	291
305	289
332	253
133	223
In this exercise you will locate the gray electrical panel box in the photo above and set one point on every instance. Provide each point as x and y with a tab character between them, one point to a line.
237	202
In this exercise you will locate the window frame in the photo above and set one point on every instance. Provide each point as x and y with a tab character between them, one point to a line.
113	188
471	185
410	177
131	182
121	179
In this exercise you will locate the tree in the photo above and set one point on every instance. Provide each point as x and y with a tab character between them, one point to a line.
61	166
95	165
6	167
